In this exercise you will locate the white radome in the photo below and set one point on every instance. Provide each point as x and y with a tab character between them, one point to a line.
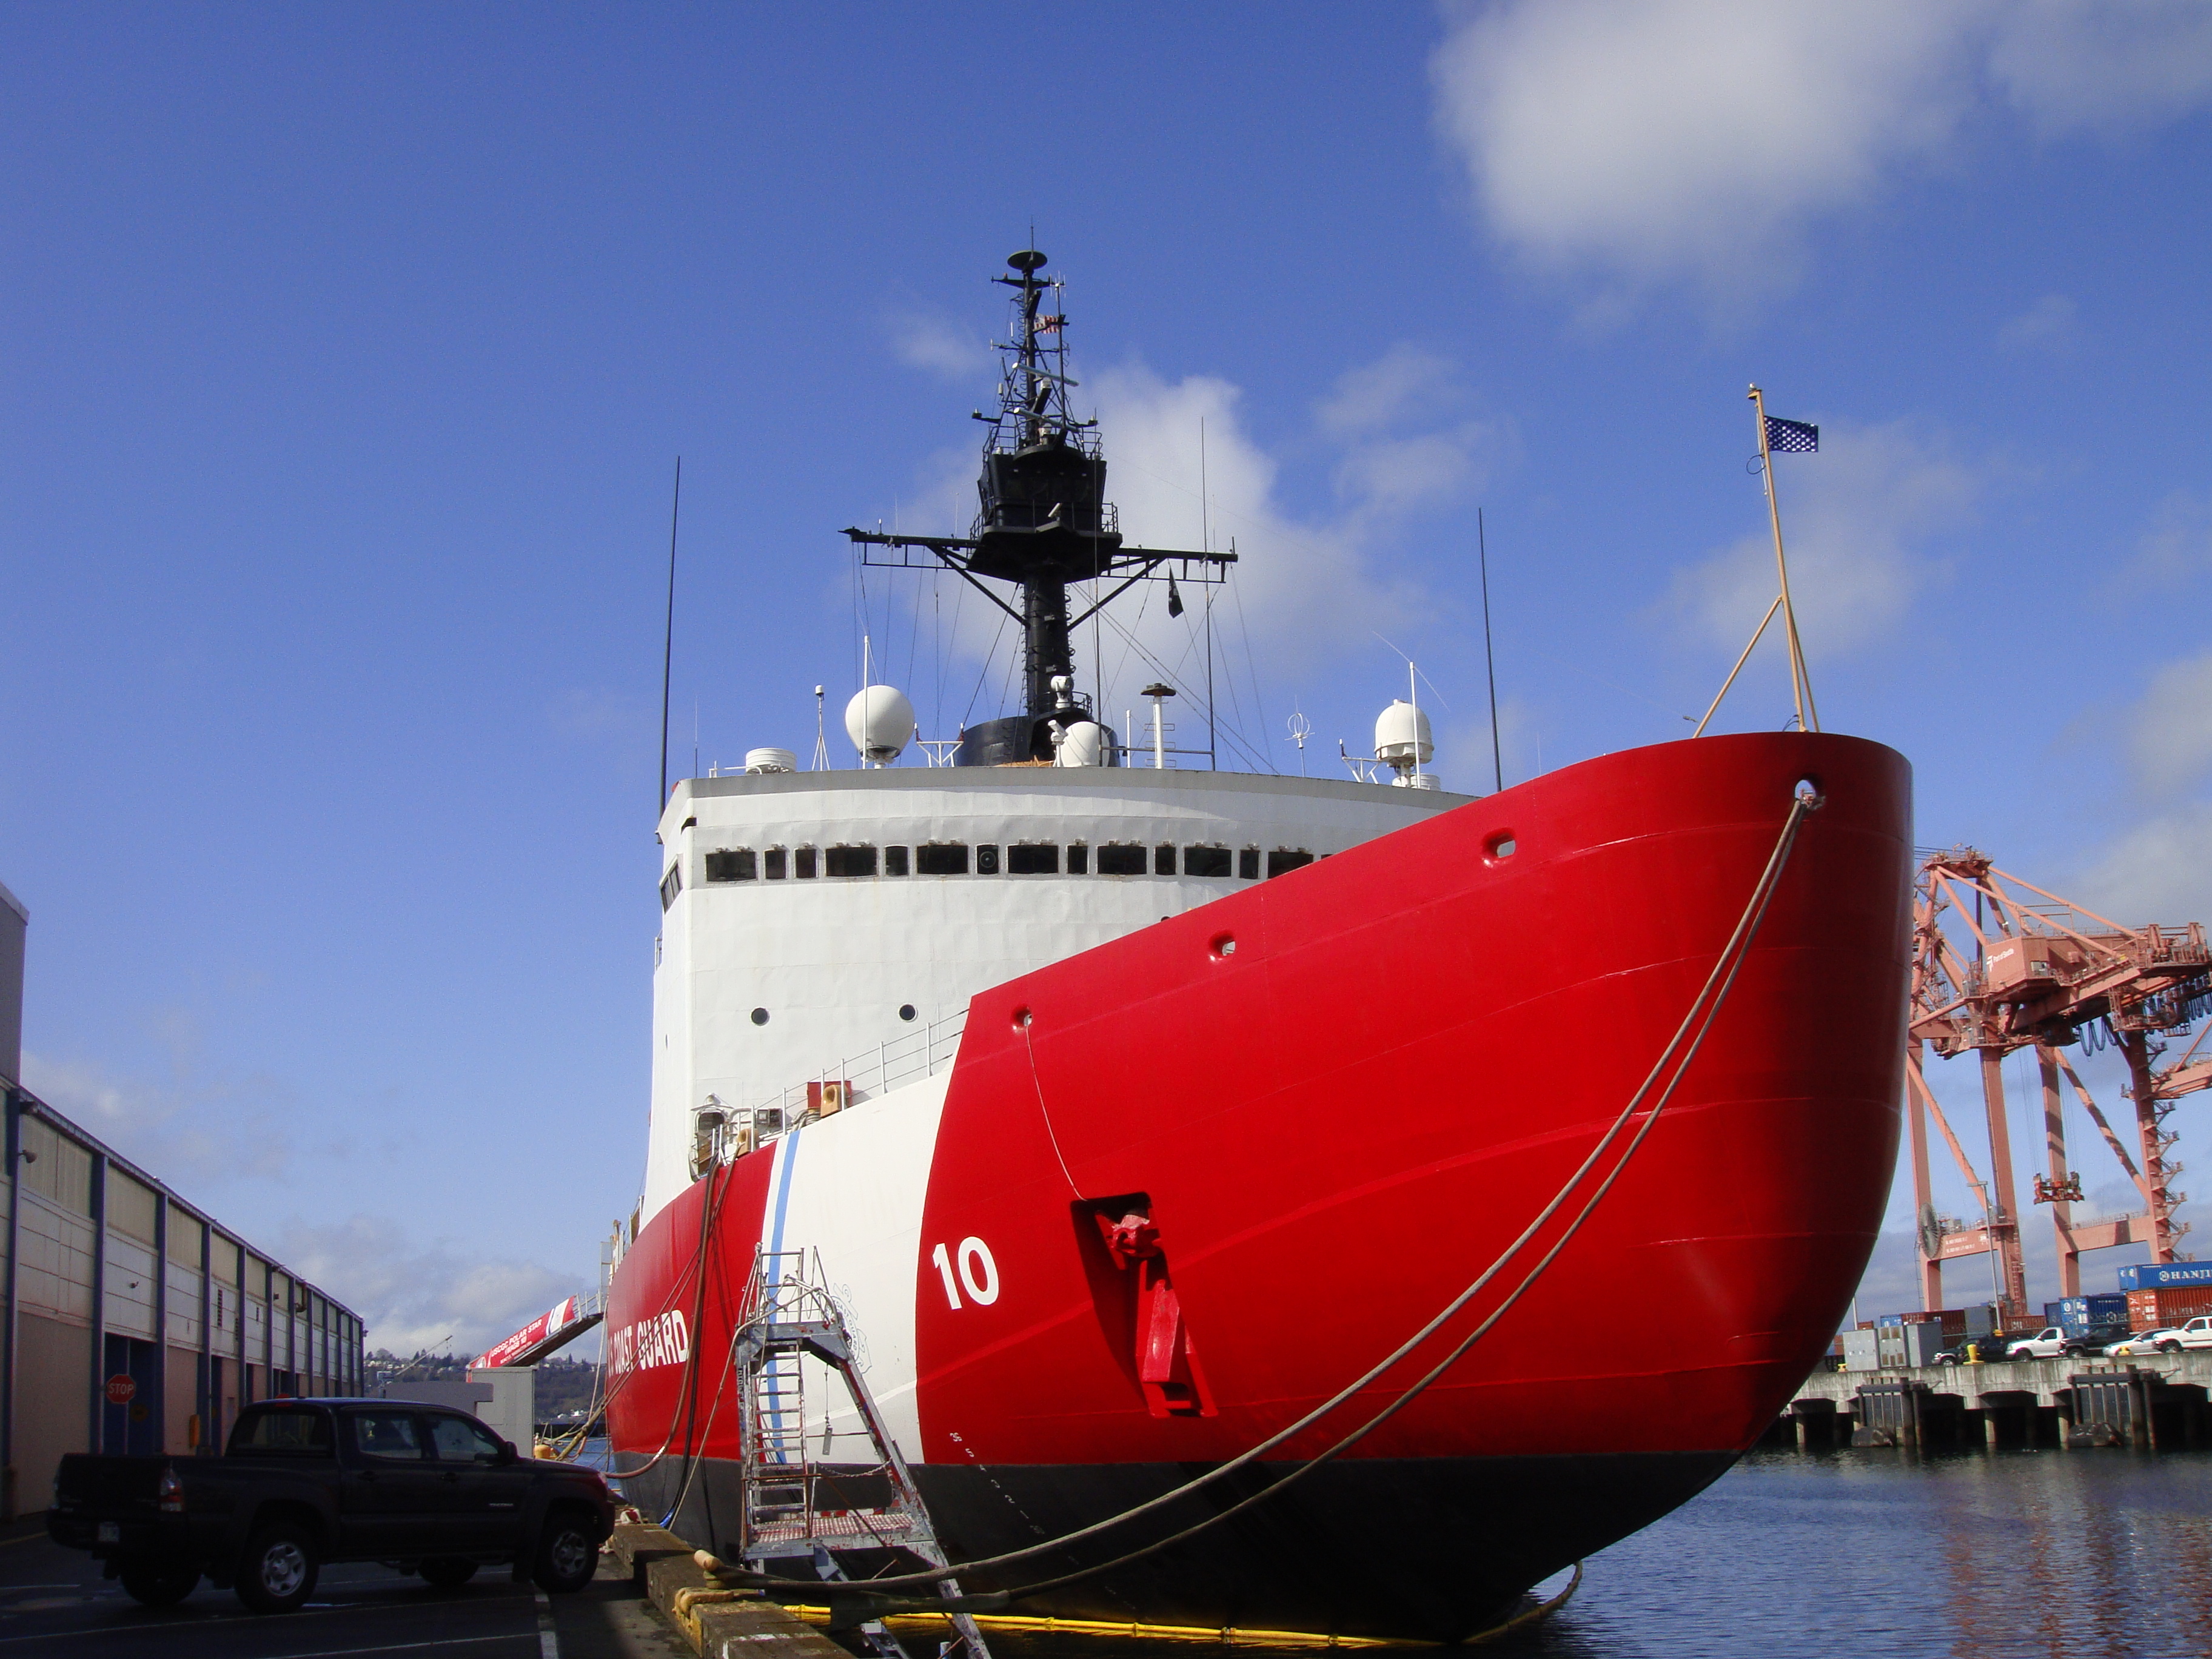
1083	744
1402	735
880	722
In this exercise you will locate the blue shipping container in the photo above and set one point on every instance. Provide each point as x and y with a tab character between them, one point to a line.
2152	1276
2075	1314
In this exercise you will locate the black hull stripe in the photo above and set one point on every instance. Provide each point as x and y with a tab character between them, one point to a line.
1434	1549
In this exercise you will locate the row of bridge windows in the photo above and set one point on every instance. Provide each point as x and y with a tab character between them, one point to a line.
957	858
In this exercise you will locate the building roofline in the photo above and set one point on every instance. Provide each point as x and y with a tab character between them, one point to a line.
29	1103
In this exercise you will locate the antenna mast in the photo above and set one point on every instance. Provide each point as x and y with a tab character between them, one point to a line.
668	642
1043	522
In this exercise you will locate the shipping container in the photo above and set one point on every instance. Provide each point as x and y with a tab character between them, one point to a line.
2075	1314
2170	1305
2158	1275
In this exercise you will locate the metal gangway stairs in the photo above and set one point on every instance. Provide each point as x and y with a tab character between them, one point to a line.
795	1508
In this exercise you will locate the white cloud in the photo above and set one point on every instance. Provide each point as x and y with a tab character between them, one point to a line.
1389	476
2103	65
2156	871
930	342
411	1295
1653	140
1689	136
195	1130
2179	543
2048	326
1404	380
1856	520
1306	586
2171	739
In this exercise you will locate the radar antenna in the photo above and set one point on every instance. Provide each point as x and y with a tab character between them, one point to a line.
1042	523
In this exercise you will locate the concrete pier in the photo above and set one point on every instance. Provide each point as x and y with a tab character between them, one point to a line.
2153	1404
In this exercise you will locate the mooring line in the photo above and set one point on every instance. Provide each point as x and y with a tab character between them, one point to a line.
1718	985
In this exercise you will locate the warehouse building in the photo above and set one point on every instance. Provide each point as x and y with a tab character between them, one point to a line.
133	1321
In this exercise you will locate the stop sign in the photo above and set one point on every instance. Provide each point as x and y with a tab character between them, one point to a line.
121	1388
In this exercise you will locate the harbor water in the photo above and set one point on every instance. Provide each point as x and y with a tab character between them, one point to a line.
2047	1553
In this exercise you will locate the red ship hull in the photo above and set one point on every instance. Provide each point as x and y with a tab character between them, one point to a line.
1334	1126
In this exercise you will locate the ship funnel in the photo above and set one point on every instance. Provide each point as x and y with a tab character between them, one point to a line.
1402	738
880	722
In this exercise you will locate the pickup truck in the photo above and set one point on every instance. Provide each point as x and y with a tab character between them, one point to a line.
2173	1339
2049	1343
303	1482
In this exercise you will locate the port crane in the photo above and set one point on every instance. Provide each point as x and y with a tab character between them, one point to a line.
2002	965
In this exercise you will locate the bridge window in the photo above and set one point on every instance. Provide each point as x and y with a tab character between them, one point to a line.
986	859
1206	862
894	860
737	864
1114	860
774	860
1033	859
670	885
1078	859
1248	865
852	860
1163	859
1288	857
805	860
942	858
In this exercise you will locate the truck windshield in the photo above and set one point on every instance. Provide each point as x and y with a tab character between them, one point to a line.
298	1433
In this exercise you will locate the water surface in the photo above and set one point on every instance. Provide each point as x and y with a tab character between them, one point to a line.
1851	1554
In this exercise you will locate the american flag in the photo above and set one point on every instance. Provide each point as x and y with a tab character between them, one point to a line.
1791	437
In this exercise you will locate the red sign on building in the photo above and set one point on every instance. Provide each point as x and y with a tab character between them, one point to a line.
121	1388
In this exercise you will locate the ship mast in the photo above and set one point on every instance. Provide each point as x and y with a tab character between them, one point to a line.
1042	522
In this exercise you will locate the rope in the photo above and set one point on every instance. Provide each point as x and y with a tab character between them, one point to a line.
1521	1621
1045	1112
710	1207
1709	999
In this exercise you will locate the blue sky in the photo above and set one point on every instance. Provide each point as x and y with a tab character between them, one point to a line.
345	354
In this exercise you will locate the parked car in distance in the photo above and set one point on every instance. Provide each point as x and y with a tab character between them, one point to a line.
2197	1333
1974	1350
2049	1343
2142	1342
306	1482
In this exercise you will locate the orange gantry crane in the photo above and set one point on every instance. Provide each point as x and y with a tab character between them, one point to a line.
2002	965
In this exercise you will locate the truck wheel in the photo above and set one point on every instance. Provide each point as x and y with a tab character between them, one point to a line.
567	1555
276	1573
159	1587
448	1571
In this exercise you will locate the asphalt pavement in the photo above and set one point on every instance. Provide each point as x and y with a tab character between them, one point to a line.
53	1601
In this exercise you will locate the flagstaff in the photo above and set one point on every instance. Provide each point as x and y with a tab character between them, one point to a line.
1795	435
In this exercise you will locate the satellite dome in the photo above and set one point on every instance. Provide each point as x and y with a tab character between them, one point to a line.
880	722
1082	744
1402	737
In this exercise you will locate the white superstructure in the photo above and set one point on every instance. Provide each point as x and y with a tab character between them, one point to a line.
814	917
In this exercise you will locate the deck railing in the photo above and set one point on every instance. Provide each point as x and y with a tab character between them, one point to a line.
922	1053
